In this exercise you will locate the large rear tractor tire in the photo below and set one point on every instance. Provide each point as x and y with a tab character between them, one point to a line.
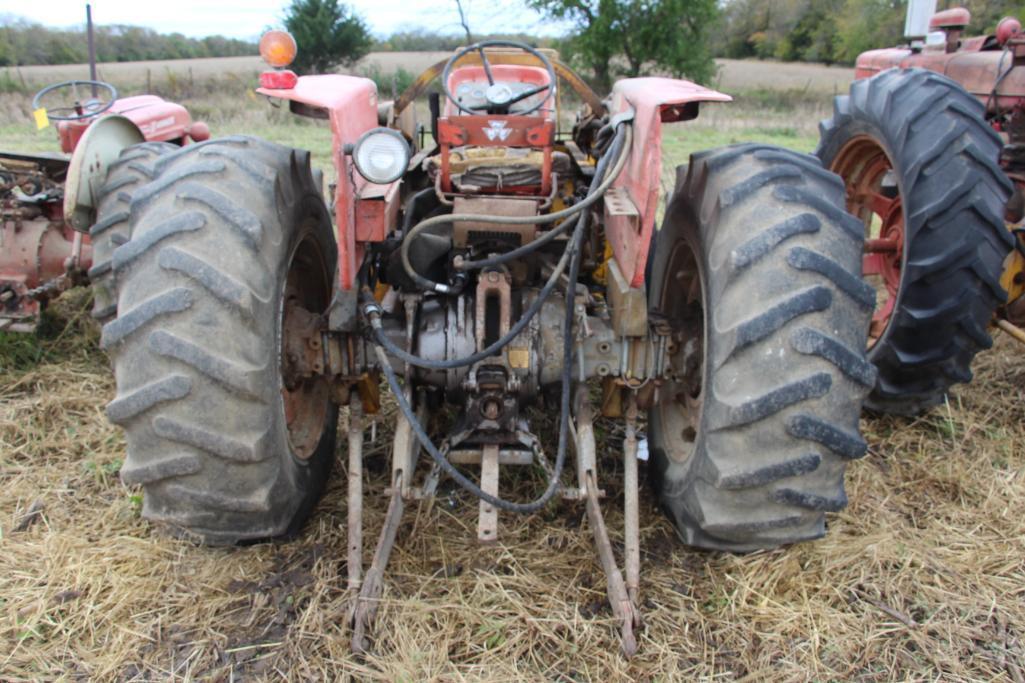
229	239
920	165
133	168
756	273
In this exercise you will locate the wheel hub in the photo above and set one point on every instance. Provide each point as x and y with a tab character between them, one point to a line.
304	388
873	196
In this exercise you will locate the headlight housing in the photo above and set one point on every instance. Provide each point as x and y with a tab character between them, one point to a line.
381	155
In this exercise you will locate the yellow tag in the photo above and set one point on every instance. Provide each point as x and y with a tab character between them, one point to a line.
42	120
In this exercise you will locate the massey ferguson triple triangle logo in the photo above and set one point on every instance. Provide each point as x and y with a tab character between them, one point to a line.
496	130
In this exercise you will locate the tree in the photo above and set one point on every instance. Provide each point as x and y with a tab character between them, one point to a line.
631	37
328	34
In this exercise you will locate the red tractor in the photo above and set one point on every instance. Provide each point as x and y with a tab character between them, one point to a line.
59	220
489	261
931	146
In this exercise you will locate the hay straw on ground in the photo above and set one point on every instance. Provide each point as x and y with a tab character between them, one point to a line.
921	577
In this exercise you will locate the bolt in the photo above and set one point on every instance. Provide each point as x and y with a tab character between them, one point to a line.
491	409
493	277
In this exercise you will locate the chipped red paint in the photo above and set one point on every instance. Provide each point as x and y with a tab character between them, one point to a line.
157	119
654	101
350	104
497	131
975	65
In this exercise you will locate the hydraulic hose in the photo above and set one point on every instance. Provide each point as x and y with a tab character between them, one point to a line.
624	134
373	311
518	252
572	253
567	376
619	151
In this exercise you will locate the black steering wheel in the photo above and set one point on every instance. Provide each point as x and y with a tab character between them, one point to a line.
81	109
499	96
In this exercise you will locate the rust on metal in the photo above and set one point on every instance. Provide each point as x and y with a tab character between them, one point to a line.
487	518
464	232
865	168
355	499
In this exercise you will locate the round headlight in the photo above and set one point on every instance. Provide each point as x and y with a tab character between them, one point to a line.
381	155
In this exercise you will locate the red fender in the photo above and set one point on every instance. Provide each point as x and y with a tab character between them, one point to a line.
156	119
350	104
654	101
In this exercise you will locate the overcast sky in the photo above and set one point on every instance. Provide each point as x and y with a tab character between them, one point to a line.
248	18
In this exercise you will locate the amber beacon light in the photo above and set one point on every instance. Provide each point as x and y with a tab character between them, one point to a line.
277	48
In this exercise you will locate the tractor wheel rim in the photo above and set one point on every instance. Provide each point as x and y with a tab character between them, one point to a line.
863	164
683	301
305	399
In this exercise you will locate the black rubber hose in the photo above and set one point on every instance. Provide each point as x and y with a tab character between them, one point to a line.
573	251
622	140
373	311
567	376
519	252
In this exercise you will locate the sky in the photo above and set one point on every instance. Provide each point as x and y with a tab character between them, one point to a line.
248	18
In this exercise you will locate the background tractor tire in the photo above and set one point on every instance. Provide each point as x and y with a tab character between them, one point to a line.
757	272
224	232
953	195
133	168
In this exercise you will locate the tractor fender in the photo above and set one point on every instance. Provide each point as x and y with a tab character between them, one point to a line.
654	101
97	149
350	104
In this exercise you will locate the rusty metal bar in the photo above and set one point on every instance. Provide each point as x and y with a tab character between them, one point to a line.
92	44
506	456
585	443
369	596
619	597
631	524
487	519
1010	328
355	499
880	245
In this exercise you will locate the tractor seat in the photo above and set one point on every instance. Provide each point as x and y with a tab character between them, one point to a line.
955	18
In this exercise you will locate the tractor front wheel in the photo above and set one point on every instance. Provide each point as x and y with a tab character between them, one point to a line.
756	276
232	256
920	166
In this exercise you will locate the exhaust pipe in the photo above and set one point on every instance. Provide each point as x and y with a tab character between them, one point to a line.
916	26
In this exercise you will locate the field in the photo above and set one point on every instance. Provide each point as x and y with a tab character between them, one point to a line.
922	577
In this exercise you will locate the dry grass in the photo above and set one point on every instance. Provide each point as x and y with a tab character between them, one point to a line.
921	578
734	74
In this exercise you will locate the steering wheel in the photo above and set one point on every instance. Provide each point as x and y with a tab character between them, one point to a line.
80	109
499	96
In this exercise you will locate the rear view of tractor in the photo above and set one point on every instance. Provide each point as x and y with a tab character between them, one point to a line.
931	146
484	265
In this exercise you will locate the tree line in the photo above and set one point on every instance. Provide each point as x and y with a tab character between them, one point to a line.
24	43
832	31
